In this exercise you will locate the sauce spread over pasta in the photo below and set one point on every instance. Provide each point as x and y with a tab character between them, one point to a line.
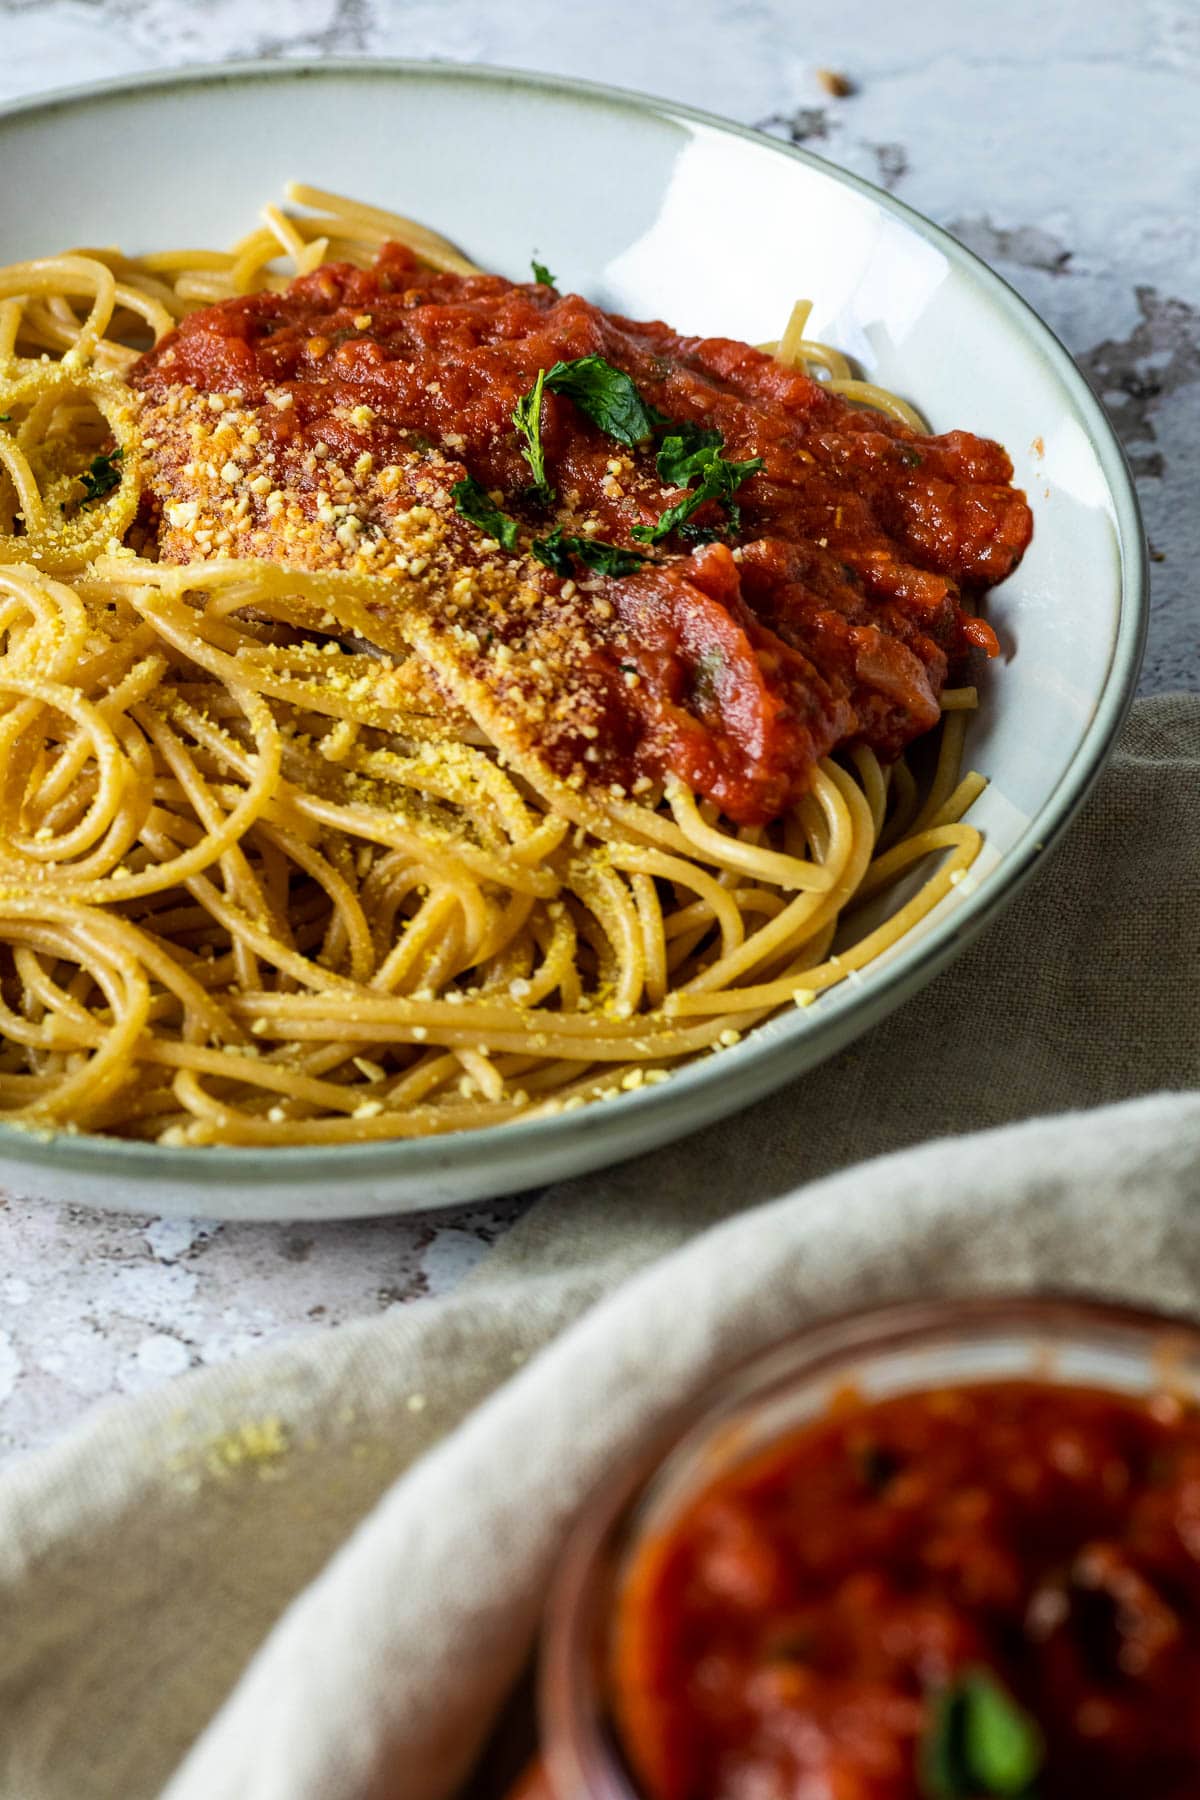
328	426
992	1589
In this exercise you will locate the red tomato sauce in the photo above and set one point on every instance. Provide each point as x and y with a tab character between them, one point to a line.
832	614
789	1635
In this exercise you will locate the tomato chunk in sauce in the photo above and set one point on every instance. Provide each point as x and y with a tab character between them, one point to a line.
326	427
792	1633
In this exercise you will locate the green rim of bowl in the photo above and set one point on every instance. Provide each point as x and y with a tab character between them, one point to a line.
765	1059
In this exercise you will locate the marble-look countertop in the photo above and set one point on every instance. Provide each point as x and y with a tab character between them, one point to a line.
1059	141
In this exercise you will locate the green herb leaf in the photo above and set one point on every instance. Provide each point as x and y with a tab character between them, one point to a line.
1004	1746
103	475
4	418
979	1742
606	559
555	552
941	1762
720	479
473	502
541	274
686	454
558	548
608	396
527	417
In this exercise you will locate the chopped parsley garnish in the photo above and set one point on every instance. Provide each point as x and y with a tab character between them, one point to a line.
608	396
558	548
606	559
4	418
473	502
527	417
555	552
697	453
978	1742
685	454
102	477
541	274
689	455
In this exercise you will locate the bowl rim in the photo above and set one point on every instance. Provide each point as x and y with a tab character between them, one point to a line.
759	1064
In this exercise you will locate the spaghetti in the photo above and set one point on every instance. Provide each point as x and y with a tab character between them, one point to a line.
299	840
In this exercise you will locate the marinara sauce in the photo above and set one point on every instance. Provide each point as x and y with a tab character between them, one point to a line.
793	1635
826	602
983	1580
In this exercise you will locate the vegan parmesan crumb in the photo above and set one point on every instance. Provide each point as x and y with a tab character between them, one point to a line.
258	1444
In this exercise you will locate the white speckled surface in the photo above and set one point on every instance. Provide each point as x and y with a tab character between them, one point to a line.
1058	141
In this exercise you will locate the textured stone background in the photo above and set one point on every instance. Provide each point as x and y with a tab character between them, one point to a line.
1059	141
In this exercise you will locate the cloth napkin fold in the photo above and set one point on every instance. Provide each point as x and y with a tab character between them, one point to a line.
369	1517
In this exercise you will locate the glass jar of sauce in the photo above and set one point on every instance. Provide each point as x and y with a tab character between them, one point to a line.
930	1552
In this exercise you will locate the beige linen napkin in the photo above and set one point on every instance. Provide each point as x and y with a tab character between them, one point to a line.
144	1560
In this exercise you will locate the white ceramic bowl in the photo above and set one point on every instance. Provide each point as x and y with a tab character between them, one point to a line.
657	211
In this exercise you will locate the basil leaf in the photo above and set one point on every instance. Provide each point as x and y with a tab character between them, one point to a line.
527	417
473	502
558	548
720	480
686	454
103	475
978	1742
541	274
1004	1747
608	396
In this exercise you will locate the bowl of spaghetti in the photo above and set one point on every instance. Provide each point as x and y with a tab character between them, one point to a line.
459	728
